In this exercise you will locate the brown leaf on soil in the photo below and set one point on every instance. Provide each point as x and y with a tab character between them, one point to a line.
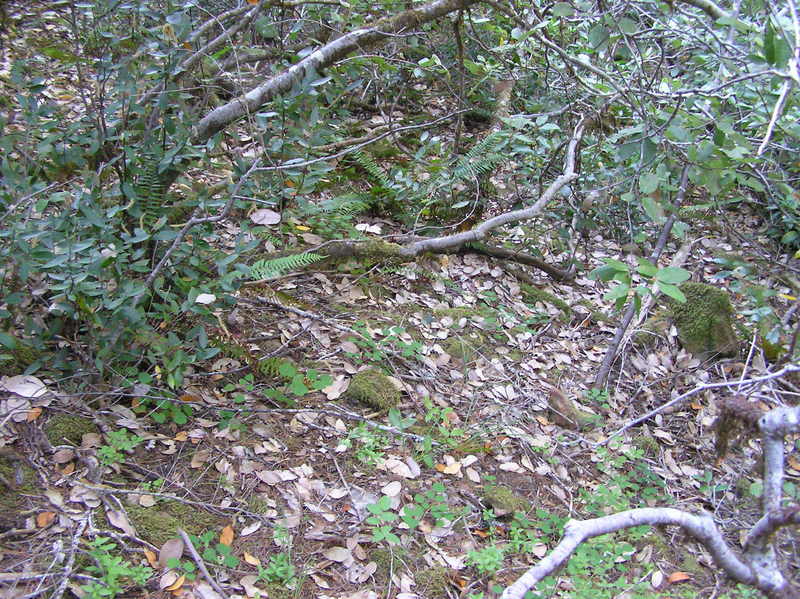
226	536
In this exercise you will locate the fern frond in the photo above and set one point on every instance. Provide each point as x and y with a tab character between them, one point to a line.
480	160
266	269
374	170
149	187
349	203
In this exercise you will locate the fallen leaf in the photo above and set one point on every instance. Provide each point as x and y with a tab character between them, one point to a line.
118	519
338	554
265	216
33	414
151	558
177	584
24	385
226	536
205	298
172	549
676	577
45	519
251	559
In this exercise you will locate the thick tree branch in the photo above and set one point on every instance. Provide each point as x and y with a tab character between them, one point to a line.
283	82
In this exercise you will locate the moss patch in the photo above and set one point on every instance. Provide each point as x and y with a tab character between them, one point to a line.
160	523
67	428
504	501
432	582
373	389
531	295
14	499
705	321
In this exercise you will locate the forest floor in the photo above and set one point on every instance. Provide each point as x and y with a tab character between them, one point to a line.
412	432
470	475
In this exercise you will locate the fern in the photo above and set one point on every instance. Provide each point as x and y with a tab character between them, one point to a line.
374	170
349	203
149	187
480	160
266	269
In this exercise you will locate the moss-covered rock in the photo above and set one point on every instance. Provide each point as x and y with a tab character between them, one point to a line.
373	389
68	428
504	501
705	321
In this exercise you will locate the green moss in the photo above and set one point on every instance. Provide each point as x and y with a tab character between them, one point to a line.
432	582
504	501
464	348
161	522
387	560
374	389
705	321
15	499
20	357
653	329
647	444
531	295
67	428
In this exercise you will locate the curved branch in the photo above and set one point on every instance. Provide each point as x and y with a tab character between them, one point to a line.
382	30
699	526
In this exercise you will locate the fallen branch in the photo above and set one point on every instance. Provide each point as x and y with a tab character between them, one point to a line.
757	566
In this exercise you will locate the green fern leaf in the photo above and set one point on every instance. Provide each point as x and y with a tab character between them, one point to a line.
266	269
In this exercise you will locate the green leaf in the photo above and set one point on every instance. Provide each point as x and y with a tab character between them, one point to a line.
671	290
628	26
616	293
646	268
649	182
672	275
7	340
653	209
297	386
563	9
719	137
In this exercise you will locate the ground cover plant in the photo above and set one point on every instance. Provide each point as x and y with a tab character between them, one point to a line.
424	299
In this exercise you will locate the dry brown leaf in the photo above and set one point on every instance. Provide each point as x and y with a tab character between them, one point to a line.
226	536
167	579
177	584
118	519
45	519
152	559
676	577
265	216
172	549
33	414
251	559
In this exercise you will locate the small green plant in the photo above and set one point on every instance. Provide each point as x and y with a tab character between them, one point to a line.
369	444
217	554
187	568
279	570
375	351
381	515
111	572
598	396
119	443
433	502
299	384
487	561
665	280
440	418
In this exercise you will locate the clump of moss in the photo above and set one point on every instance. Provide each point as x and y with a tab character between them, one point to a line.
19	358
531	294
504	501
68	428
653	329
464	348
160	523
22	482
374	389
432	582
386	559
705	321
